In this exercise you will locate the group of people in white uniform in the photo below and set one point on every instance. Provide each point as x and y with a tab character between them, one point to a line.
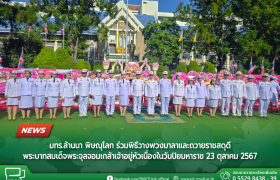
28	92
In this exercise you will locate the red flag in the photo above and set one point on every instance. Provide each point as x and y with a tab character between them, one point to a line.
46	30
29	29
262	67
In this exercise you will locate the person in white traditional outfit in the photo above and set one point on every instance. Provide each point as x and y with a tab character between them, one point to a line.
11	93
265	95
68	94
53	92
124	92
251	96
190	96
39	94
275	90
97	89
110	93
213	97
178	91
165	93
137	91
25	90
239	93
201	93
151	93
83	92
226	91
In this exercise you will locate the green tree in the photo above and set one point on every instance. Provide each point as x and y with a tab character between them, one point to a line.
162	42
80	65
209	68
87	65
31	65
259	34
46	58
213	20
181	68
193	66
12	49
77	16
64	60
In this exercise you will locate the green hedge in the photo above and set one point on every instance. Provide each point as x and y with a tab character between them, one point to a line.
193	66
182	68
209	68
46	58
32	65
80	65
64	60
98	65
87	65
161	68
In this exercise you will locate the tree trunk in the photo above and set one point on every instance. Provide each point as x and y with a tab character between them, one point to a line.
76	48
11	30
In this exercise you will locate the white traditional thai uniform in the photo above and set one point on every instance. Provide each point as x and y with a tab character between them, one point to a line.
226	91
265	93
251	96
11	90
165	90
124	92
25	90
151	91
97	90
83	89
178	90
39	92
68	92
239	91
214	95
53	92
274	88
137	89
110	90
190	95
201	94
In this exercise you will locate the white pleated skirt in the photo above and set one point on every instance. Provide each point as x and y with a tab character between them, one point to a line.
178	100
213	103
53	102
68	101
190	102
97	100
200	103
40	101
274	98
123	100
26	102
12	101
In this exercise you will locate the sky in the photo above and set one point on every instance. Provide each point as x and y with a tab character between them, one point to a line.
163	5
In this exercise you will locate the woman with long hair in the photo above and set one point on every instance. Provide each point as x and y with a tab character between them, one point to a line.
190	96
213	96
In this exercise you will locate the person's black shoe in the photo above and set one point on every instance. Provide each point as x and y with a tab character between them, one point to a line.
23	118
228	116
138	115
234	116
107	116
134	115
112	116
80	117
37	119
166	115
161	115
240	117
223	116
85	117
265	117
260	117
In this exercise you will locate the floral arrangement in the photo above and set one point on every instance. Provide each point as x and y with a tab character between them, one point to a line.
106	63
4	75
155	65
185	77
145	74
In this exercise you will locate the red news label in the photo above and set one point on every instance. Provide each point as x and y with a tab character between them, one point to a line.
34	130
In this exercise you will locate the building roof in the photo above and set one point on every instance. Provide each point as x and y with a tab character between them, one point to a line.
134	7
144	19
